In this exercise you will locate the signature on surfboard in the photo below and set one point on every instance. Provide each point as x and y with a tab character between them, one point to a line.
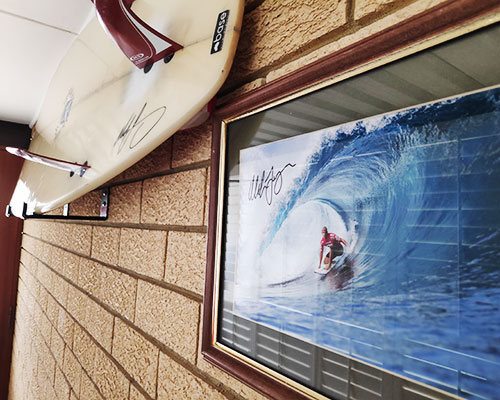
138	127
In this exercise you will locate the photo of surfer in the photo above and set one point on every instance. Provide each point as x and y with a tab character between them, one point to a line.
405	208
331	248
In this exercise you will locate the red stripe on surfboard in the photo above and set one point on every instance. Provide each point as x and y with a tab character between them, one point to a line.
46	160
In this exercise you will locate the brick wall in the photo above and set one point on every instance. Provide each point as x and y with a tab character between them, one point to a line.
112	310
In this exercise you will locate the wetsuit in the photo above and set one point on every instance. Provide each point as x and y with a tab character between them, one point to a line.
334	243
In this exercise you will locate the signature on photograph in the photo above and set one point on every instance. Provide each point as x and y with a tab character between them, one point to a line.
267	184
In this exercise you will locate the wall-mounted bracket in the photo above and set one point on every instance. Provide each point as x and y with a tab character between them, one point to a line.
103	211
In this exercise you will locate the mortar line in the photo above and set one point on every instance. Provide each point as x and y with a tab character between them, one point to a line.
157	227
206	190
159	174
350	8
157	373
165	255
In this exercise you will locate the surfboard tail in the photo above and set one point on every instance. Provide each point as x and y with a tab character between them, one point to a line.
140	43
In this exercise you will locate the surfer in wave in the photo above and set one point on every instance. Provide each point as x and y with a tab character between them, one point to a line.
334	243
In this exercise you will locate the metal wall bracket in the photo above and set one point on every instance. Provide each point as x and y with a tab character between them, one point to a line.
103	211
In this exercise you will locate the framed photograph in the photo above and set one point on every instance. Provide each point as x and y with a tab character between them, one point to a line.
354	232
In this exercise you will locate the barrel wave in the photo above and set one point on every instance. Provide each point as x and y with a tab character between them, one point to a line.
415	194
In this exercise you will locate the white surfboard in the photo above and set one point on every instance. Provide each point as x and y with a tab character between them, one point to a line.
337	261
104	112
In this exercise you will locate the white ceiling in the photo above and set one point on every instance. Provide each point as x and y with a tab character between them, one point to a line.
34	36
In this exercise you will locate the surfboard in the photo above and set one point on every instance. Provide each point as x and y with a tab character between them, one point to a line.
337	261
106	110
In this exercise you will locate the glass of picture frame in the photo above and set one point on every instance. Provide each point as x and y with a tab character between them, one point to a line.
391	145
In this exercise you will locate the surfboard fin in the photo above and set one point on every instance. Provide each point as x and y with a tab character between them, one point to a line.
140	43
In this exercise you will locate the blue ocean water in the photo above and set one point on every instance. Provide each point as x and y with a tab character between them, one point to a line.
418	197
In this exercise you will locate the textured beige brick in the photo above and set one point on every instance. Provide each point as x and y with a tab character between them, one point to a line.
87	205
269	34
366	7
77	304
46	387
192	145
176	382
176	199
57	233
27	260
32	227
27	243
61	386
119	292
45	327
57	263
90	277
138	356
186	258
76	237
108	378
105	244
46	362
73	396
45	254
72	370
37	317
44	276
71	264
42	297
60	289
84	349
158	313
99	323
88	390
48	231
57	346
65	326
125	203
35	390
157	161
35	248
143	251
56	211
29	283
52	310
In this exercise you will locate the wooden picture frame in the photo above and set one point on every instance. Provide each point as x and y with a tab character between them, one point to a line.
446	21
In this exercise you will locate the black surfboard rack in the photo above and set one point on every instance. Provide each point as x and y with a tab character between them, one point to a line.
103	211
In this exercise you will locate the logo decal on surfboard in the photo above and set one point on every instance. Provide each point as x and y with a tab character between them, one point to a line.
220	32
